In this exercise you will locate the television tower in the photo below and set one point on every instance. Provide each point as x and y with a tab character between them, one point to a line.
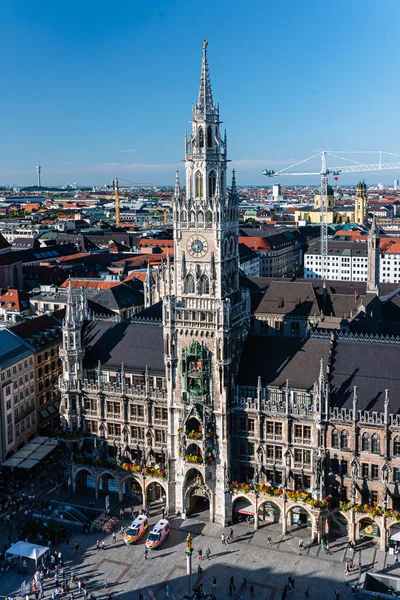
39	170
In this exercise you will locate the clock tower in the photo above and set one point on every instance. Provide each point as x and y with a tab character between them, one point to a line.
205	318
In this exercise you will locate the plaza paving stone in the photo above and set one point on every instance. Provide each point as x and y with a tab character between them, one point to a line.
265	567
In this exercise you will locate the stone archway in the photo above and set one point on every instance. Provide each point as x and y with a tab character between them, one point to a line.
197	502
83	478
243	509
109	482
197	497
132	489
301	518
156	493
269	512
368	528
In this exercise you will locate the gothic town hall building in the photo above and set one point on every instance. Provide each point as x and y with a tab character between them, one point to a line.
196	400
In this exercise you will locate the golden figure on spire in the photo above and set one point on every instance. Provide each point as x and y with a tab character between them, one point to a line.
204	44
189	543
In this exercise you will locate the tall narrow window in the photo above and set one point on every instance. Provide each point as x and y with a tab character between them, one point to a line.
190	284
365	442
204	285
201	137
335	439
199	185
209	136
344	440
212	179
375	445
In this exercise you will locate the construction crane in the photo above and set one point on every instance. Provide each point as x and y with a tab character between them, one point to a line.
355	167
117	186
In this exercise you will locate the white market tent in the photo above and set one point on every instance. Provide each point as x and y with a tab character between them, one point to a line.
32	453
26	550
396	536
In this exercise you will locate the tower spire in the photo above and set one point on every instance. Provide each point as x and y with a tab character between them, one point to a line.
177	185
70	307
233	185
39	170
205	103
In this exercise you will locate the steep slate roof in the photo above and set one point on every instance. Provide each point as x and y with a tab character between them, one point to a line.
289	297
372	367
277	359
12	348
135	344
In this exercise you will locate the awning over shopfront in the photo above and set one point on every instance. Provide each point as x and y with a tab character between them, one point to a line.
30	455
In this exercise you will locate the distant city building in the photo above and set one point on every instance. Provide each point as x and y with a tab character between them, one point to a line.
396	185
280	253
349	260
17	393
276	191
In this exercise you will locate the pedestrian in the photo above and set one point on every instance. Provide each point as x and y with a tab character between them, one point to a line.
140	595
167	591
244	583
200	553
230	589
337	593
327	548
214	583
231	534
146	551
227	539
232	582
306	592
396	556
76	547
105	584
222	539
208	552
114	537
199	570
98	545
269	540
239	596
301	545
103	545
252	591
353	589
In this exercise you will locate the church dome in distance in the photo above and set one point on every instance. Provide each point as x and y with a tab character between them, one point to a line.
329	191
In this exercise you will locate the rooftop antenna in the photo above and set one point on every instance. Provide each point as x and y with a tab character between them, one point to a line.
39	170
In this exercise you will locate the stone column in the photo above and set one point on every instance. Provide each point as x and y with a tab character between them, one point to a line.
284	516
144	499
189	588
384	533
256	515
351	525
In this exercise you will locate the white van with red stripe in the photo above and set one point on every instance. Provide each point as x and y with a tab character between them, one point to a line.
158	534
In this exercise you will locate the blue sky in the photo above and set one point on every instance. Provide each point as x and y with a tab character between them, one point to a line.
104	89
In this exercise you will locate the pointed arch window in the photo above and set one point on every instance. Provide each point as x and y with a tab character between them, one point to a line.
396	446
204	285
209	137
344	440
190	284
365	442
209	216
200	217
201	137
199	185
335	439
212	182
375	444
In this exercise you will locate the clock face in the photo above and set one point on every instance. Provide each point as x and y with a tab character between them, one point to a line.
197	246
